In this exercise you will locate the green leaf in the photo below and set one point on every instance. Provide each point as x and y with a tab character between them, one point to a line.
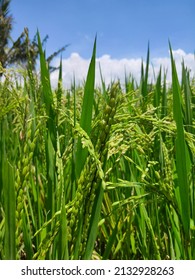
10	208
86	114
181	150
95	217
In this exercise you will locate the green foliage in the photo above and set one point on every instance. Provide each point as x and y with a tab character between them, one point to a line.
91	173
182	158
87	109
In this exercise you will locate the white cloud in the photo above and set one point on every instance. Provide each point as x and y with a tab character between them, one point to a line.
112	69
178	53
179	56
75	65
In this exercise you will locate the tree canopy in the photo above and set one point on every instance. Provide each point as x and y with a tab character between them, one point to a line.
22	50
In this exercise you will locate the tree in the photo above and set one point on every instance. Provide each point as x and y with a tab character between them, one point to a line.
6	22
23	49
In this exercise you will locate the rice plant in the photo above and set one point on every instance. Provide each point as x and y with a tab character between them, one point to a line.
97	172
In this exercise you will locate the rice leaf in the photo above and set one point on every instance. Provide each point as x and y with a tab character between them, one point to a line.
10	208
95	217
181	151
86	114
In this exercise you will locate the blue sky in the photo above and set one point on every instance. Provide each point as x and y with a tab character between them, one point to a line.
123	27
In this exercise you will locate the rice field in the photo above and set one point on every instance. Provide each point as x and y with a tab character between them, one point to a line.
98	173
